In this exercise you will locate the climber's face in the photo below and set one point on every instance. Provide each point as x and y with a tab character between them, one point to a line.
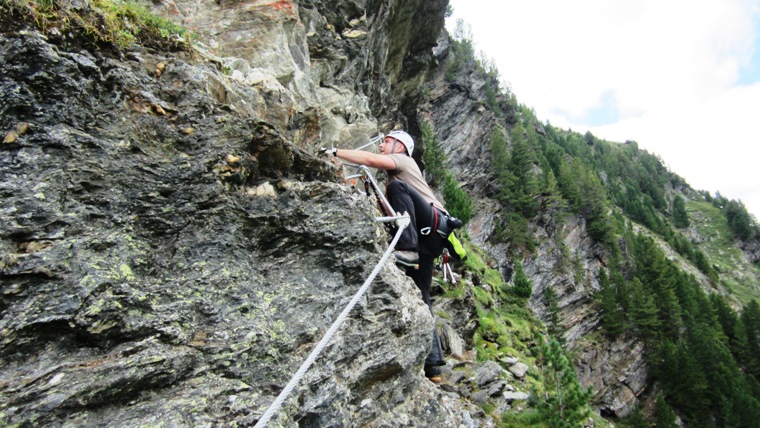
387	146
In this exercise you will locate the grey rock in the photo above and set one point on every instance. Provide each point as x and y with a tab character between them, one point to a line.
467	421
518	369
496	388
511	396
489	372
450	341
481	397
509	360
457	376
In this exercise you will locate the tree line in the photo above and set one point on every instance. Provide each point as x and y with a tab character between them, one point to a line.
704	355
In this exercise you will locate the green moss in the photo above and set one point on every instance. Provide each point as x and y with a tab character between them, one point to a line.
484	349
455	293
476	263
4	418
529	418
483	297
443	315
506	327
452	291
488	407
121	23
126	272
87	281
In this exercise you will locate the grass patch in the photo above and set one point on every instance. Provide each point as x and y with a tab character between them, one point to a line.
528	418
737	274
506	325
100	22
444	315
455	293
483	297
451	291
505	328
476	263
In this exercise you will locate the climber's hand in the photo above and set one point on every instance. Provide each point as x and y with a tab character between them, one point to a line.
325	151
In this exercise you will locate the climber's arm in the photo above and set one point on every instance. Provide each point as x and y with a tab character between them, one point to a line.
362	157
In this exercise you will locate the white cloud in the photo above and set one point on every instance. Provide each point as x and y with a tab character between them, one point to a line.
669	69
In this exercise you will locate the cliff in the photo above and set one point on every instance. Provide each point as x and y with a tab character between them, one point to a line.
173	248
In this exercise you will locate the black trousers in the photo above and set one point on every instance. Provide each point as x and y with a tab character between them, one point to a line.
404	198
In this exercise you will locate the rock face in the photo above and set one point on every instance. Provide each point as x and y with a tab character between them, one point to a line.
172	249
169	254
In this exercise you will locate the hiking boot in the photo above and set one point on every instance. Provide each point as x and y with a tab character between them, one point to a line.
433	374
407	258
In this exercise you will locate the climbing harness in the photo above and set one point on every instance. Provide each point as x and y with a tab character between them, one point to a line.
402	221
442	223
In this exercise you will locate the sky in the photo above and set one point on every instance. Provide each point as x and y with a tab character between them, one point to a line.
681	78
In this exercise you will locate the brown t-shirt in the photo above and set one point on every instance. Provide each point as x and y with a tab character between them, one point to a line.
408	171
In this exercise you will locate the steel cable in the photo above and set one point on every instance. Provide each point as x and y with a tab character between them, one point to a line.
403	222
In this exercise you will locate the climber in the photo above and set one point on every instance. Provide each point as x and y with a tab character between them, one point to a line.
423	241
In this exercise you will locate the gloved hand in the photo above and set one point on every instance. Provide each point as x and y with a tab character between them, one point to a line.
325	151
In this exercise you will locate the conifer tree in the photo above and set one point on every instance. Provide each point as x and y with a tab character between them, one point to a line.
500	161
499	151
669	310
548	184
739	220
732	327
563	402
580	185
553	308
680	217
457	201
523	287
513	226
751	319
612	316
522	187
728	392
515	230
433	157
644	312
568	184
623	290
683	380
636	419
665	417
704	265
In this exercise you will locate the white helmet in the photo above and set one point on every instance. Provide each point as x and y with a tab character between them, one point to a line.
405	138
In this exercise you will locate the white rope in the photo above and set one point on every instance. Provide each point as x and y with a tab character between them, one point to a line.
374	140
402	224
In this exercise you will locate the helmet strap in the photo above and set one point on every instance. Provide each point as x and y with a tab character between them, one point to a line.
393	148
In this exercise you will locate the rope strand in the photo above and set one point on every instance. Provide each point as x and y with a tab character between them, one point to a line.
403	223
